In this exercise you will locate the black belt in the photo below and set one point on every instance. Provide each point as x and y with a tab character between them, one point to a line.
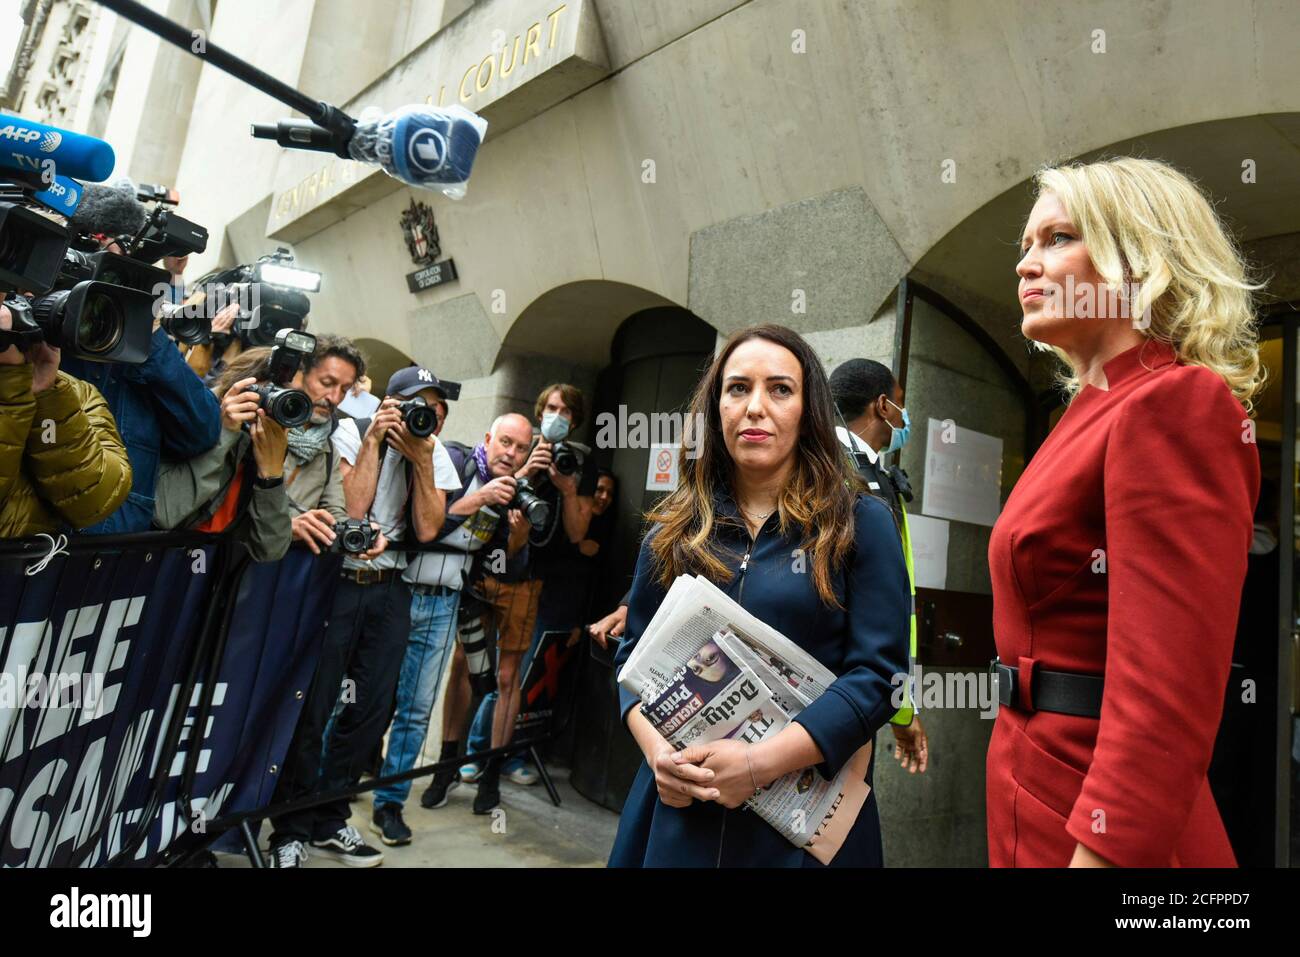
1065	692
369	576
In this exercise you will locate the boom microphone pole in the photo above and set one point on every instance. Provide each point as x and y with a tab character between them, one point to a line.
334	121
427	146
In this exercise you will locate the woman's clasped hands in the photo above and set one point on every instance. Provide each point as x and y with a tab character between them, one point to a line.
722	771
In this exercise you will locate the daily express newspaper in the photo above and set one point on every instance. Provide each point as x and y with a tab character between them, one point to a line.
705	669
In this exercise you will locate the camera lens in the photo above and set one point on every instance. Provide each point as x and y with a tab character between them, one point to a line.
355	541
566	460
421	420
536	510
189	329
291	407
99	327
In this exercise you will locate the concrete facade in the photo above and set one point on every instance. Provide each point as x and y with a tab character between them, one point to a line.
749	160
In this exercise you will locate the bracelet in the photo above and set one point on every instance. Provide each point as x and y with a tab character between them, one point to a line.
752	780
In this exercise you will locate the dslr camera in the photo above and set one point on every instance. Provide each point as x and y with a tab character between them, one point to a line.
353	537
288	406
419	417
534	508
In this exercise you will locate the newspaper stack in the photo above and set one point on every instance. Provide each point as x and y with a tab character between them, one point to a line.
705	669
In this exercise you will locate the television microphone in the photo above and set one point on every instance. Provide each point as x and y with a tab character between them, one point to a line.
61	195
427	146
27	145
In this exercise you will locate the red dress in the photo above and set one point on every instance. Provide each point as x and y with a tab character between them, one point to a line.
1121	552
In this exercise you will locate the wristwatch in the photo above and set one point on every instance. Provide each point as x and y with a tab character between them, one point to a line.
269	482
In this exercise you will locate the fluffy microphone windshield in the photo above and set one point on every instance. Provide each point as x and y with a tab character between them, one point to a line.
111	210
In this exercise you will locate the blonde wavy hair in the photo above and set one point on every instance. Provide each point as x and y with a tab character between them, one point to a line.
1144	222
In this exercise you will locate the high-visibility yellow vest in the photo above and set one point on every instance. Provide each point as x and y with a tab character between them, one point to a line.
905	713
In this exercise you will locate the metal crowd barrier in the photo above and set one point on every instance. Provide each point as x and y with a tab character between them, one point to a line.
100	782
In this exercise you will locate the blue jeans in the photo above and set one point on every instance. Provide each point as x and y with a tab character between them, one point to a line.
433	627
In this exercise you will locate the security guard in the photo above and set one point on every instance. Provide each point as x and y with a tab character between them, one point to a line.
869	400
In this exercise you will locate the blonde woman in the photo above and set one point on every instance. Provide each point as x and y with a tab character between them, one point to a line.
1118	561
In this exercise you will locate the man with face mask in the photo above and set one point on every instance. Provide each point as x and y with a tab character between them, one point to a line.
870	402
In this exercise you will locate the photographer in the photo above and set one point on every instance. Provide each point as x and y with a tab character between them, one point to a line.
397	479
161	407
480	527
558	575
61	459
207	359
221	489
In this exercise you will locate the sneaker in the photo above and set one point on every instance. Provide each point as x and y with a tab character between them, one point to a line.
435	795
346	846
522	774
471	772
489	787
288	854
388	824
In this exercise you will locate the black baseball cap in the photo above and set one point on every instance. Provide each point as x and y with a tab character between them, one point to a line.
411	380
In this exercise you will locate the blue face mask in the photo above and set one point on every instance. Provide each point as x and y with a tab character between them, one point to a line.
554	426
898	437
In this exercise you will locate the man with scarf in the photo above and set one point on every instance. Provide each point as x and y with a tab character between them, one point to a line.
220	490
312	477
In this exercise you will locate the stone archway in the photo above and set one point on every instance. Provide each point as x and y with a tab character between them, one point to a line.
973	264
382	360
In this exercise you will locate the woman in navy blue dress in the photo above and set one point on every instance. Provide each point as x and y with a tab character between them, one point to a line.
769	511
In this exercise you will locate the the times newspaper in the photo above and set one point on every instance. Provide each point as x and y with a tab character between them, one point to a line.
705	669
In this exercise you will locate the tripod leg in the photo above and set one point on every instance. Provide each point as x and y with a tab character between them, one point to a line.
546	776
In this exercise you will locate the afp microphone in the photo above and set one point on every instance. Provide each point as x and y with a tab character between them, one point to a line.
26	144
427	146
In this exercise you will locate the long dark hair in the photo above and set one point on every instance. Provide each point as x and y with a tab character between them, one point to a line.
817	499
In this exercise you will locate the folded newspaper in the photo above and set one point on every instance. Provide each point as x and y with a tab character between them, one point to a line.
705	669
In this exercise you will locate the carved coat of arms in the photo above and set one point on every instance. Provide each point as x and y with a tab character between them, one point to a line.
421	234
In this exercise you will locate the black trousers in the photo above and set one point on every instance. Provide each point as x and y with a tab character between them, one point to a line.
365	640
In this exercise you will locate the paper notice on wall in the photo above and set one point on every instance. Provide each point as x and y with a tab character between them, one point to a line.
929	550
661	473
963	474
363	405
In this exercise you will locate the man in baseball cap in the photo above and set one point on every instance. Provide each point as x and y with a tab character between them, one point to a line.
395	479
414	380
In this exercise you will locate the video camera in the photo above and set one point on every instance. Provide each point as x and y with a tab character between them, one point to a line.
96	306
286	405
271	293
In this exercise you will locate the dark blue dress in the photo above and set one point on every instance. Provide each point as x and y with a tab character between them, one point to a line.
865	643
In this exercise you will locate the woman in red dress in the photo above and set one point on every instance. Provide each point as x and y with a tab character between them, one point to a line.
1117	563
